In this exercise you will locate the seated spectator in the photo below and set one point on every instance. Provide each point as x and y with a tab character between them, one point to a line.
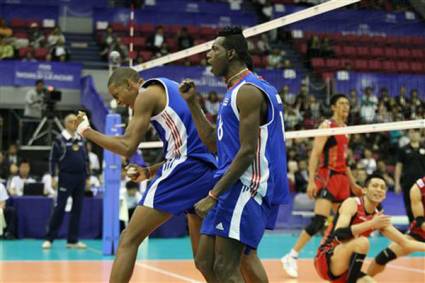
55	37
354	107
5	31
156	41
36	37
184	39
288	98
382	170
383	116
416	104
108	38
292	169
7	216
29	57
12	155
313	47
16	186
368	106
6	49
384	96
292	118
403	102
212	104
368	162
59	52
275	59
326	48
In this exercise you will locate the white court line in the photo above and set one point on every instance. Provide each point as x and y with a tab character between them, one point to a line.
168	273
400	267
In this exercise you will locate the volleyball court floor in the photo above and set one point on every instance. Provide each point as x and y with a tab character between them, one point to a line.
170	260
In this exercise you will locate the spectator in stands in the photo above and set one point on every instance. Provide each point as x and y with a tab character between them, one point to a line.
16	186
361	175
156	41
354	107
301	99
29	56
381	169
55	37
287	97
403	102
93	159
275	59
5	31
34	100
383	116
368	106
326	48
384	96
313	47
108	38
59	52
184	39
68	160
368	162
212	104
292	169
7	216
12	155
292	118
6	49
36	37
416	104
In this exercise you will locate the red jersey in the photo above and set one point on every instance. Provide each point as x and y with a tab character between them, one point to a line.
334	154
415	231
360	217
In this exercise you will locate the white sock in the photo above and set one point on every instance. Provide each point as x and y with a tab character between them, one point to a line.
293	254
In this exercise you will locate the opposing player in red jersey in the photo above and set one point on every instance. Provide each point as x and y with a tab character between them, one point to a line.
330	180
341	254
416	230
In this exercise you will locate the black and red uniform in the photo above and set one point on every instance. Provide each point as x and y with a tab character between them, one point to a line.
322	261
331	178
417	232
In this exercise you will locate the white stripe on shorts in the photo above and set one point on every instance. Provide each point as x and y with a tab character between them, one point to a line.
167	168
235	222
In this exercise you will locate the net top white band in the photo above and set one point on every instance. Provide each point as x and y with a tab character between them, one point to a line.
361	129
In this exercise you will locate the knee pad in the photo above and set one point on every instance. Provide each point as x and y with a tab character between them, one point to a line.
316	224
385	256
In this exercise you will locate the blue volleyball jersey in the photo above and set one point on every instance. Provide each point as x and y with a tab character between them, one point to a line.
267	175
175	126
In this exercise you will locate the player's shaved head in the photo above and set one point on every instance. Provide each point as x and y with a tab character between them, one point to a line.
121	75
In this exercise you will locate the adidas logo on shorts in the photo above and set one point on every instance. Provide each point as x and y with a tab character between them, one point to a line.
219	226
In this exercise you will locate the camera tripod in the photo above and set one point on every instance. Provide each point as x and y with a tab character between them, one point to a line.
47	122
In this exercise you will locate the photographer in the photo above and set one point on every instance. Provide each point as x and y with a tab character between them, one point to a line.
34	100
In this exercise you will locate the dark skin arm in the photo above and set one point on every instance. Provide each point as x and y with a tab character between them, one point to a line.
205	129
251	117
126	145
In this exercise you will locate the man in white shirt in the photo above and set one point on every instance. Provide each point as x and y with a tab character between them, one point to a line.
16	185
34	100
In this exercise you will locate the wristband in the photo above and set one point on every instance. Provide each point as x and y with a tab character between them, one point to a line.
84	125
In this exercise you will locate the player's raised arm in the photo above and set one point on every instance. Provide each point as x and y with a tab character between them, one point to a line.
205	129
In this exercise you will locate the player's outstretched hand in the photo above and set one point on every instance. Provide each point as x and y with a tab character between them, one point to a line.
82	123
137	173
204	205
188	90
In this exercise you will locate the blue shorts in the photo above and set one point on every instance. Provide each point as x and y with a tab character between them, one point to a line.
238	215
178	185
